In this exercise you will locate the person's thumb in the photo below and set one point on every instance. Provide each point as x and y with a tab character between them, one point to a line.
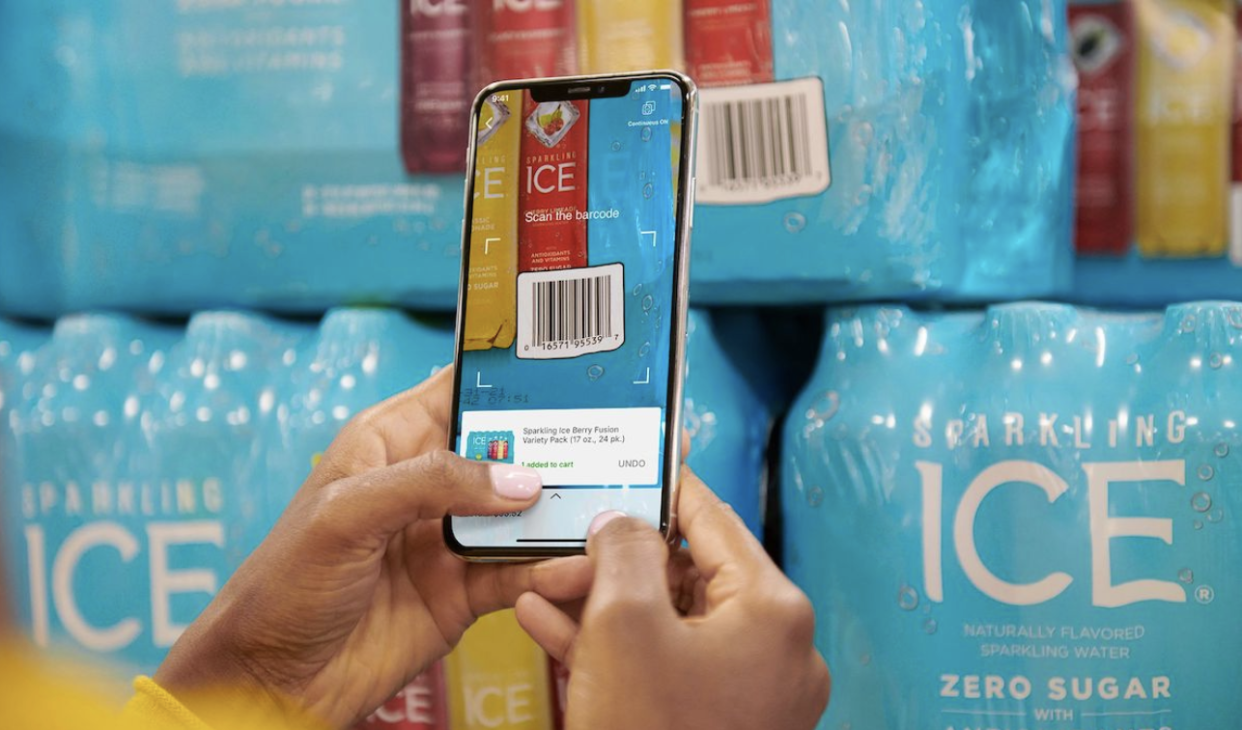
430	486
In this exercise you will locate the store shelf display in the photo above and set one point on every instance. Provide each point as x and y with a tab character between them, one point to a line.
192	156
143	462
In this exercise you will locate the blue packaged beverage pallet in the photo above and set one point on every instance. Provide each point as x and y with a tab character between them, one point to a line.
193	155
178	156
947	169
140	463
1022	517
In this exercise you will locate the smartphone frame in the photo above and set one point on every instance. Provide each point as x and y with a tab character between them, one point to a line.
573	88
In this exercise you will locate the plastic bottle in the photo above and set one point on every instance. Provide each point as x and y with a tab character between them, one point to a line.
491	312
525	39
91	547
420	705
19	344
358	358
728	43
1185	60
629	36
211	431
1102	44
727	422
1036	522
435	84
498	677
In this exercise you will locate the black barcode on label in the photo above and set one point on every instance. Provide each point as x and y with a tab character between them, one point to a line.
762	142
570	312
573	309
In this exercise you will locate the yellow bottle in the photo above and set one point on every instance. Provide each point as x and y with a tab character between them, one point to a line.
1182	123
630	35
491	298
497	677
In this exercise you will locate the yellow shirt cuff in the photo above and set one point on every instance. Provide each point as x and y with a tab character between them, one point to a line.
153	708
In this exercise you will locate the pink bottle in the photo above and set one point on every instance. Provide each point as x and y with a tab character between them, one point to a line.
435	87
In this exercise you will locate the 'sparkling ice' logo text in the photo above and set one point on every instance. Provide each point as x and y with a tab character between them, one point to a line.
1102	478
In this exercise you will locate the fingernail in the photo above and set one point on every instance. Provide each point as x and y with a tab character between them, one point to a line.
515	482
602	519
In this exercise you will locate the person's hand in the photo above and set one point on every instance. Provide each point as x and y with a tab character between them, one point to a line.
731	649
354	593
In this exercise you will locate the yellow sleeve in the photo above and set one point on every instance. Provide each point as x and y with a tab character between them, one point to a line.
152	708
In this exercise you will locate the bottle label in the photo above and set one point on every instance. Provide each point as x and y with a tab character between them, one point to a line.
525	39
728	43
489	320
762	142
420	705
1036	537
435	93
1101	44
497	677
1186	54
553	185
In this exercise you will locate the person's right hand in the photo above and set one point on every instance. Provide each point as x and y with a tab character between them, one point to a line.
732	649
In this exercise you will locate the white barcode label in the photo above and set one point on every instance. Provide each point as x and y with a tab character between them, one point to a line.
570	312
762	142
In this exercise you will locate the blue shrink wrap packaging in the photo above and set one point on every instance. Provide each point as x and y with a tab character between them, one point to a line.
1021	517
216	154
727	420
947	169
140	463
172	157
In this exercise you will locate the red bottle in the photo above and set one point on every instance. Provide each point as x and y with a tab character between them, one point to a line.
525	39
435	87
421	705
727	42
1101	38
553	187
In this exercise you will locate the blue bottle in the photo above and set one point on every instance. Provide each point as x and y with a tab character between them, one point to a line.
358	358
728	424
79	465
19	344
1011	517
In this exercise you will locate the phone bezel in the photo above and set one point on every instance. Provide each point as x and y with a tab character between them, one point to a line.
585	87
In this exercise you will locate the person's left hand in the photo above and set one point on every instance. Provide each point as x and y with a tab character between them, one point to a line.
354	592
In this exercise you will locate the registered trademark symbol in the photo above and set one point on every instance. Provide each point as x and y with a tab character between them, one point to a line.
1205	595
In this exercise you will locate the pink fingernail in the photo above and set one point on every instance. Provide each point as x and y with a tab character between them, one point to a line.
515	482
602	519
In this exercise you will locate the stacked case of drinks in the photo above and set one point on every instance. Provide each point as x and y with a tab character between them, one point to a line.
1035	530
142	461
297	156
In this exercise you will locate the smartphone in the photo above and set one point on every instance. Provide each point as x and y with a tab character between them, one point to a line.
571	310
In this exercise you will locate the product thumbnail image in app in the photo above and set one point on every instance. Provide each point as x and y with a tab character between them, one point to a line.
569	305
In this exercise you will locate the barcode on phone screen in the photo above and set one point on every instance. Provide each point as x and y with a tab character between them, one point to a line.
570	312
762	142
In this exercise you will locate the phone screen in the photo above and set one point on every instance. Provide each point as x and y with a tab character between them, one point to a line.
570	305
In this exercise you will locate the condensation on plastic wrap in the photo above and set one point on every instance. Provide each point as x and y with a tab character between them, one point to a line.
727	421
950	130
140	463
169	157
1023	516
